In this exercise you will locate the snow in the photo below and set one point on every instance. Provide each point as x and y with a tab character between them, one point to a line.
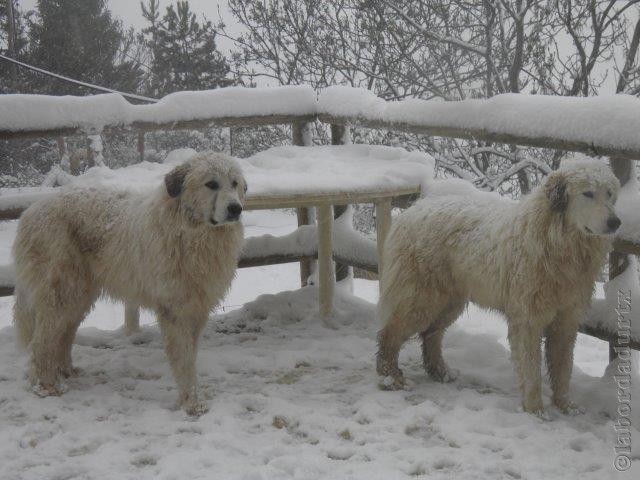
293	396
628	211
605	313
336	168
604	121
93	113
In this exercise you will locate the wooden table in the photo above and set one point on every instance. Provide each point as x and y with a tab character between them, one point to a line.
382	199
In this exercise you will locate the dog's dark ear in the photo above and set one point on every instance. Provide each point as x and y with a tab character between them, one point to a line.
174	180
556	190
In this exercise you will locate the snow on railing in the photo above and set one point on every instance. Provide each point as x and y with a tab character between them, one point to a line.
41	115
605	125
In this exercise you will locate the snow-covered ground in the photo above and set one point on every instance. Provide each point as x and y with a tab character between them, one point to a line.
293	396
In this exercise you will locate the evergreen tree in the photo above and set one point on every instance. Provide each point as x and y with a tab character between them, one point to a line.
183	51
82	40
11	77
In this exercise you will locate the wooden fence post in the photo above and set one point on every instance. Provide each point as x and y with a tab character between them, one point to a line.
91	159
131	318
618	261
302	136
383	224
340	136
141	146
325	259
64	157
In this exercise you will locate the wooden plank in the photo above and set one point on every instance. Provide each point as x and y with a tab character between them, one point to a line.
140	146
197	124
325	259
267	202
626	246
484	135
383	224
607	336
340	136
131	318
619	261
301	133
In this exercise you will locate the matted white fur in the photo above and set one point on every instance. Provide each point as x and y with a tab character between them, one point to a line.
173	251
535	260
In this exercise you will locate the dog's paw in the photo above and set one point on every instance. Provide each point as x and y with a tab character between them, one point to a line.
536	408
392	382
538	412
442	373
569	408
196	407
49	389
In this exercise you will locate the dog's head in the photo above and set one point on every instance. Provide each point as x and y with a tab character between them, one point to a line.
585	192
210	188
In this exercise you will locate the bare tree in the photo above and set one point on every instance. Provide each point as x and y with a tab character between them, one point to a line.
455	50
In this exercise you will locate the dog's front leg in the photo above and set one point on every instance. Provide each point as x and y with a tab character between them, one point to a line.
525	341
560	341
180	335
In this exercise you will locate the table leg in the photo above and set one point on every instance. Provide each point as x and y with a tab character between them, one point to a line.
131	318
325	258
383	224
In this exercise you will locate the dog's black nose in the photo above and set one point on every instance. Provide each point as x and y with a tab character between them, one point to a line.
233	211
613	223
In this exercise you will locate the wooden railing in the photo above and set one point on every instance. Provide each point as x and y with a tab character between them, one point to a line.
339	129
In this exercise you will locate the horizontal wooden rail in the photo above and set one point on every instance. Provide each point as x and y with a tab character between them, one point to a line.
607	335
241	121
248	262
482	134
266	202
626	246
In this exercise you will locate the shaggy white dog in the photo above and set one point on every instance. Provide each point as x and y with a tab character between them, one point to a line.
536	261
173	251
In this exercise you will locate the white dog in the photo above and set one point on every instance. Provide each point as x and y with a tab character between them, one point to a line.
173	251
535	260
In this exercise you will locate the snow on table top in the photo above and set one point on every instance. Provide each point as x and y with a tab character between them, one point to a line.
606	121
328	169
92	113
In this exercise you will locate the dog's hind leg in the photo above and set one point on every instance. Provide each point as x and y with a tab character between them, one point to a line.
24	318
397	330
434	364
60	304
46	345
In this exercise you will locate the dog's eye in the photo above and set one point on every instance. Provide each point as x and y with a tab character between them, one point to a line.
588	194
245	188
234	184
213	185
609	194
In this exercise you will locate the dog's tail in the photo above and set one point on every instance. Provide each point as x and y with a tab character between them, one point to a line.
24	319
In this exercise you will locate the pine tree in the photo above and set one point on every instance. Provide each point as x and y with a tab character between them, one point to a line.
11	77
183	51
82	40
